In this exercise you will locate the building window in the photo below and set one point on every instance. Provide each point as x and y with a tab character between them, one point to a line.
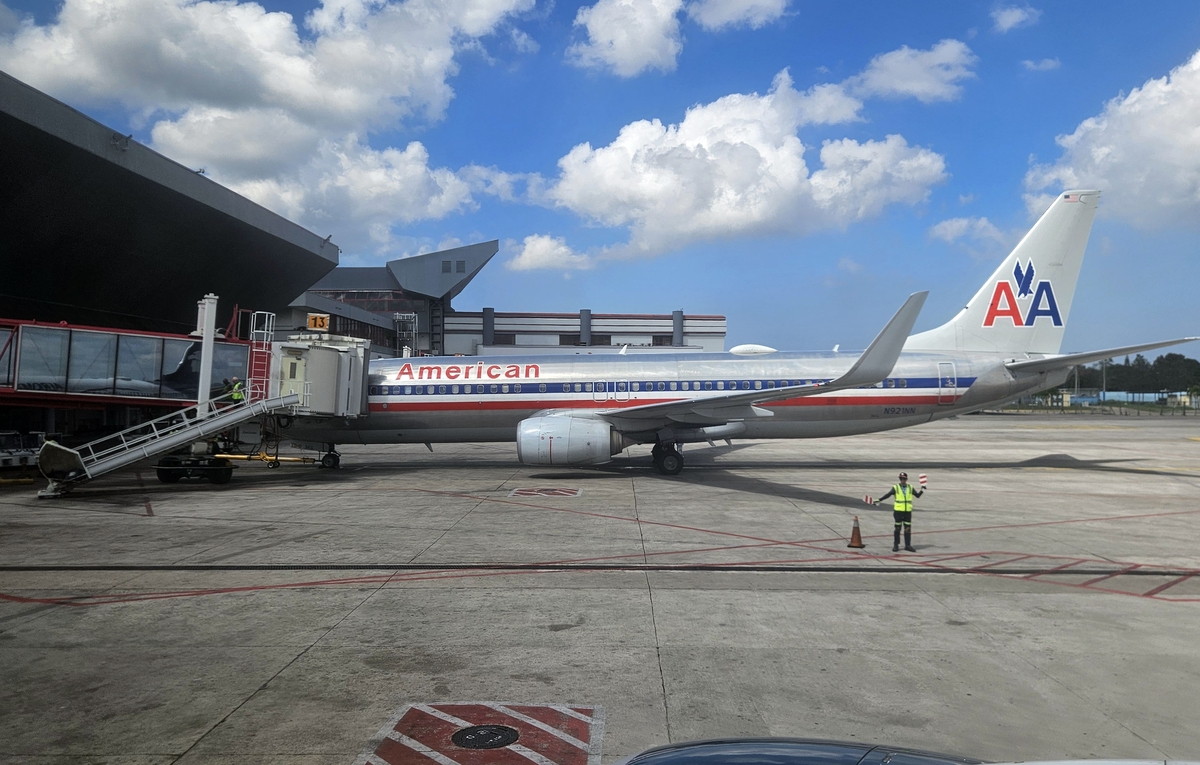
601	340
569	340
460	266
445	266
663	339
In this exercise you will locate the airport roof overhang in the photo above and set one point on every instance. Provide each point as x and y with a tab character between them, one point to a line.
96	228
442	274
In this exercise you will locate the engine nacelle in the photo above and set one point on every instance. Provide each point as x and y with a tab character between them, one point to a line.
566	440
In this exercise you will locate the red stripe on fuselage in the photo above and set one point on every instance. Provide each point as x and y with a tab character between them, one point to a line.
824	400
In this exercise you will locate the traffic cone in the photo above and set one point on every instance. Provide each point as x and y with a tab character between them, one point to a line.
856	536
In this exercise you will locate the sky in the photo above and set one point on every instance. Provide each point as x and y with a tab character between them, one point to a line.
797	167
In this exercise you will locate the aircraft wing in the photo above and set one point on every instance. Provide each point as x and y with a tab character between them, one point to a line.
1051	363
875	364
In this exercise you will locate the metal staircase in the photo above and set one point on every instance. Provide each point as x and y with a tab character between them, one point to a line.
66	468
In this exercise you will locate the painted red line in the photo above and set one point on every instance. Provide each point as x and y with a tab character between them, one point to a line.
1126	570
1001	562
1168	585
1066	565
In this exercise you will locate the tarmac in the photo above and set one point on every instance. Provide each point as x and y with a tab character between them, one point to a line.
1052	609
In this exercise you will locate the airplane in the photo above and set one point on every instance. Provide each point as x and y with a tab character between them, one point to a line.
582	410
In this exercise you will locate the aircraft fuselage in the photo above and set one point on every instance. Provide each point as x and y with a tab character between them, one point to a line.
468	399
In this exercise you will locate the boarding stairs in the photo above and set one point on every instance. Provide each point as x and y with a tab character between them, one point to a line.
66	468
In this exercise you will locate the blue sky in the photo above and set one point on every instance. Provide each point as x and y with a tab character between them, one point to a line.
402	127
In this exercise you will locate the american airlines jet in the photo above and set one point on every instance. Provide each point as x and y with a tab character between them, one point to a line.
582	410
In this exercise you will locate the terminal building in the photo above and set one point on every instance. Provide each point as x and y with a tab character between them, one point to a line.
107	247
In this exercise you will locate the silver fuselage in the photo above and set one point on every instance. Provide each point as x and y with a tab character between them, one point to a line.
465	399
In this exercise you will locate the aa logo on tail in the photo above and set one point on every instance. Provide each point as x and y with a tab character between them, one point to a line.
1005	303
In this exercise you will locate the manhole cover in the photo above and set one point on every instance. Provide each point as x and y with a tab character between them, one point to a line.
485	737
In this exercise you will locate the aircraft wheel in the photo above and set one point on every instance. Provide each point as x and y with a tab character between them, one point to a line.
220	475
331	460
670	463
169	475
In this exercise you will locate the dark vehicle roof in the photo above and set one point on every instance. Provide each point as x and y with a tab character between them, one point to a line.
789	751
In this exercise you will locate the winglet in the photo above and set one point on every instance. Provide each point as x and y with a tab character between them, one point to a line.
877	361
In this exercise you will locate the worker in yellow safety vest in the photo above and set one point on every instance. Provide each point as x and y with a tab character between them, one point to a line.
902	507
237	396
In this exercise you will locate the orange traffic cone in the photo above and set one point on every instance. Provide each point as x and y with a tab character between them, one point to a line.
856	536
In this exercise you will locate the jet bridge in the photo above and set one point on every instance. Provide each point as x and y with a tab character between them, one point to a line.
308	375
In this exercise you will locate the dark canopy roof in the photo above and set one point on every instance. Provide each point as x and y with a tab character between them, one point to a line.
96	228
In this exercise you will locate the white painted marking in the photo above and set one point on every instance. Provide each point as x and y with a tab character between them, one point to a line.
529	754
564	736
572	713
439	714
417	746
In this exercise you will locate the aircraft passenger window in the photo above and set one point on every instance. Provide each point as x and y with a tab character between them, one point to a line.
504	388
708	385
541	387
758	385
466	389
720	385
588	387
432	388
674	385
495	389
770	383
516	387
621	386
454	389
637	386
903	383
578	387
891	383
685	385
442	389
407	389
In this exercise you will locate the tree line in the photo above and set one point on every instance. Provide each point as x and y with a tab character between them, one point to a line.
1169	372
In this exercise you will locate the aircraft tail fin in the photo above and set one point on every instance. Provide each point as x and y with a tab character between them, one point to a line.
1023	306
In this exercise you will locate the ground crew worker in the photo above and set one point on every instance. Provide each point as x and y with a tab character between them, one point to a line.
902	507
237	395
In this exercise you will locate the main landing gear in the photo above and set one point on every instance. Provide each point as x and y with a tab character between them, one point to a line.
667	458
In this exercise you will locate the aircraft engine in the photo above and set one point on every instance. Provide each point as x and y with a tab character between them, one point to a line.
566	440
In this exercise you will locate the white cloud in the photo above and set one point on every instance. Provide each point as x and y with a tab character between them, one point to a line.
238	90
629	36
926	75
1010	17
1142	150
714	15
1044	65
541	251
735	167
849	266
977	229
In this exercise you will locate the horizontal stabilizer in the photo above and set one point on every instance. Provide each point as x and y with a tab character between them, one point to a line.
1063	362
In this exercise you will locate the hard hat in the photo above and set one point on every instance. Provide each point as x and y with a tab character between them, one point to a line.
904	475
